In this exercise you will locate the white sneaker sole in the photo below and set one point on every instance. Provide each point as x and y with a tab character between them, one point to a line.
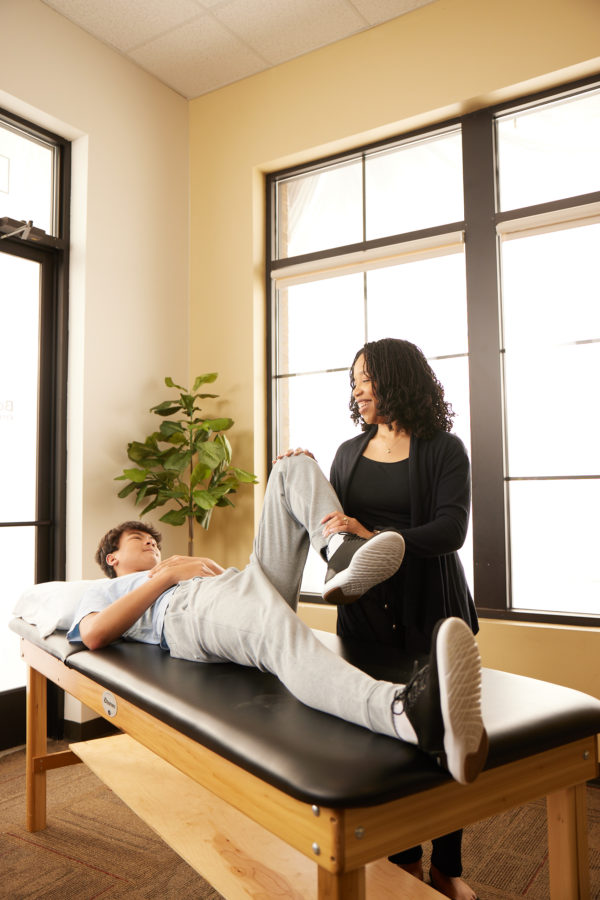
459	670
374	562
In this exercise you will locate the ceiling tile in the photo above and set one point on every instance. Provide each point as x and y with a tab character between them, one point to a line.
282	29
196	46
126	23
378	11
198	57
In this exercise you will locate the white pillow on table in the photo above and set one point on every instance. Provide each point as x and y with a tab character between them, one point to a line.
52	605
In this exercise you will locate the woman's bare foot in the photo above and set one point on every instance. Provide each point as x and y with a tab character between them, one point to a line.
415	869
455	888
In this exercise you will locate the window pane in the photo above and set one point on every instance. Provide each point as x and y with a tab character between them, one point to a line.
550	152
19	341
17	564
551	288
320	324
415	186
423	302
453	374
553	412
320	210
314	414
555	567
551	324
26	179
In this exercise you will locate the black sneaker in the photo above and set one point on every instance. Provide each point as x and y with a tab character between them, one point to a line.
359	564
443	702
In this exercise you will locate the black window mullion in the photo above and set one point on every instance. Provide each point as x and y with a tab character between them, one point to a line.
482	281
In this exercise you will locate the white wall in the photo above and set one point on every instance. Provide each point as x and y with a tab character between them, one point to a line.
129	304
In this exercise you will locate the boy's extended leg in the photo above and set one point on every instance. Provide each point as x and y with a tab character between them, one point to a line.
239	617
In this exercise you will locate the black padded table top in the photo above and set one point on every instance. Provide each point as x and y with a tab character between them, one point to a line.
249	717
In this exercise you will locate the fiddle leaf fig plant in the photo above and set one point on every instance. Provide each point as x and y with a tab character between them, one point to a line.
187	462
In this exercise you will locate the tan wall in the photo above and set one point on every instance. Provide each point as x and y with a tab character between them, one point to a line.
448	58
129	263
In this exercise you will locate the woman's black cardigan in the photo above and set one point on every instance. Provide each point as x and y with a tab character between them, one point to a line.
440	496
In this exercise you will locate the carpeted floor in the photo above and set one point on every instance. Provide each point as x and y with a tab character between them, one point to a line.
95	847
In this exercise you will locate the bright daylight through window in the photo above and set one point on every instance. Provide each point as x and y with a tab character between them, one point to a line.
376	244
29	363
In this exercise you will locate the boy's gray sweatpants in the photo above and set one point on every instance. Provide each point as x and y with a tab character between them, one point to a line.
249	617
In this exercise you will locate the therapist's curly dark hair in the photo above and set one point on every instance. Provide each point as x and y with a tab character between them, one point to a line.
111	540
406	388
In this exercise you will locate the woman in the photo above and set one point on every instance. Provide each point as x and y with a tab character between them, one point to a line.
406	473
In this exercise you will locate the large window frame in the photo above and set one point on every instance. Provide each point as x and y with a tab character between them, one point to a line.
481	228
51	252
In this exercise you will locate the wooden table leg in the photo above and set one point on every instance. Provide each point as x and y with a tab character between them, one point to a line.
567	844
342	886
37	745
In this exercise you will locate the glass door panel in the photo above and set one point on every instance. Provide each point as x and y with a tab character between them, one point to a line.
19	378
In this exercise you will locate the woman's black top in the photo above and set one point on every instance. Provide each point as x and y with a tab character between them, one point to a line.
427	499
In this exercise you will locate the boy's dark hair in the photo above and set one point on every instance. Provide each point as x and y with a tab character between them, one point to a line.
110	542
405	386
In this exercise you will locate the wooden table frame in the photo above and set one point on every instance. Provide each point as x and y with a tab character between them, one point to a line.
340	841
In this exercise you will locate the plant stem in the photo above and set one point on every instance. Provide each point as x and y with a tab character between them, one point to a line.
190	516
190	535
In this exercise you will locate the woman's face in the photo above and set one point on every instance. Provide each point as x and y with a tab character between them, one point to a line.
364	393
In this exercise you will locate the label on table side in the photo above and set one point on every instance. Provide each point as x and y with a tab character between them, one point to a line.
109	703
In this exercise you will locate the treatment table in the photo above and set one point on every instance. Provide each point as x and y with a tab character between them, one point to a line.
256	790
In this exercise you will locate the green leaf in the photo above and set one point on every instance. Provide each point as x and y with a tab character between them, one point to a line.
244	477
176	460
217	424
142	493
204	379
137	451
178	439
187	403
167	429
166	408
136	475
125	492
211	454
204	499
224	441
156	502
204	519
170	383
174	517
200	472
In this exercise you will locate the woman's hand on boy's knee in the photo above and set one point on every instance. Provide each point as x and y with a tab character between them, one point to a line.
297	452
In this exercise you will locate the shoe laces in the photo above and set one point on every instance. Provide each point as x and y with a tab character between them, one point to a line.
414	687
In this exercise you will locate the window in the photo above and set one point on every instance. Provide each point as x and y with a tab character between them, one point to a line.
478	241
551	351
34	169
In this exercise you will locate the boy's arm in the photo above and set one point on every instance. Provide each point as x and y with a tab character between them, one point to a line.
98	629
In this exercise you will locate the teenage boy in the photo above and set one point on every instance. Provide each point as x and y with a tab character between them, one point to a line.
199	611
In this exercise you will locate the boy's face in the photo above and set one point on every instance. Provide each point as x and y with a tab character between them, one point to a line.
137	552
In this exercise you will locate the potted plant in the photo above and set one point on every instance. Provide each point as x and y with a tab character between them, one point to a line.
187	462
